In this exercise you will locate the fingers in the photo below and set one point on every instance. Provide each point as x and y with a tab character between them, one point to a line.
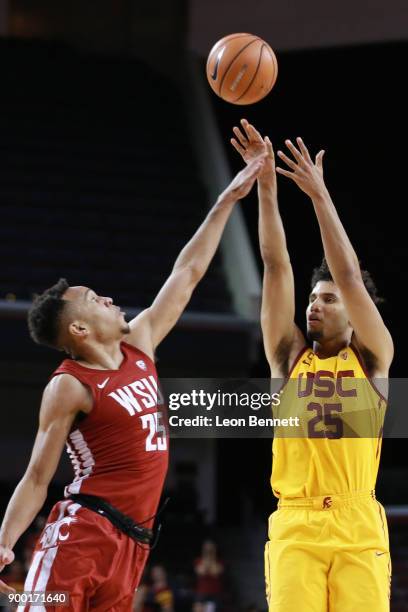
256	166
251	131
249	174
289	162
243	141
247	183
245	125
296	154
237	146
319	159
259	167
285	173
303	149
6	557
5	588
269	147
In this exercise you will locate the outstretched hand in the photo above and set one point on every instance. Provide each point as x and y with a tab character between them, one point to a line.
307	175
6	557
251	145
242	184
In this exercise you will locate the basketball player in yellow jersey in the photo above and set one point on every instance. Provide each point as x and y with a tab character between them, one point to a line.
328	542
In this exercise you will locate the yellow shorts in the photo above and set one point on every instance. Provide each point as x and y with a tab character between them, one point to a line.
328	553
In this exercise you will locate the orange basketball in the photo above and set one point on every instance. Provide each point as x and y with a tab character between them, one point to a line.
242	68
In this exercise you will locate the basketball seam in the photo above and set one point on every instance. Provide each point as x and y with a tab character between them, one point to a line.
253	76
233	60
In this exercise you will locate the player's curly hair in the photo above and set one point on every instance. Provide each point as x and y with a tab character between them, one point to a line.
322	273
45	314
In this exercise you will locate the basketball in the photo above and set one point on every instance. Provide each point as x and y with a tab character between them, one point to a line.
242	68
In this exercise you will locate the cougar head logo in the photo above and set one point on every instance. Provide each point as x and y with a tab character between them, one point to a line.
327	502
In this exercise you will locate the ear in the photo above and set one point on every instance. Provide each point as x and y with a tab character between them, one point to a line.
78	329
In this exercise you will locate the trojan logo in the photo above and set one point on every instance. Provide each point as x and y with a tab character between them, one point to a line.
327	502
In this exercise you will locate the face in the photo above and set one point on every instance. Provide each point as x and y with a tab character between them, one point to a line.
158	573
209	547
326	314
95	314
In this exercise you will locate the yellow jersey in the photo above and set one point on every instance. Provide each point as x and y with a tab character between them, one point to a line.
333	444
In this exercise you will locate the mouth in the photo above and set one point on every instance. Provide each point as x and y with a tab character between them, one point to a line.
313	321
119	311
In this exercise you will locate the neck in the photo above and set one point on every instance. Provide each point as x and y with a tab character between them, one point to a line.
100	356
329	348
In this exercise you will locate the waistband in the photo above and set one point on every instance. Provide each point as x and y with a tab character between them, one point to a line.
325	502
120	521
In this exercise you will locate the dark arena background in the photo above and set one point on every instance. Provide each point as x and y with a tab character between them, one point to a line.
113	147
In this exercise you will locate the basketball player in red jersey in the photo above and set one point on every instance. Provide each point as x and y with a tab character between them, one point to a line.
328	543
104	404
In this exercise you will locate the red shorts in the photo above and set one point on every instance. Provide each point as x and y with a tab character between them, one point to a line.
82	553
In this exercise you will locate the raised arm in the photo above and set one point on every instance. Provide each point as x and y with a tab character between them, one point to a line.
369	328
152	325
281	337
63	397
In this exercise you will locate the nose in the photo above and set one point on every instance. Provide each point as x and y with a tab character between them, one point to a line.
108	301
315	305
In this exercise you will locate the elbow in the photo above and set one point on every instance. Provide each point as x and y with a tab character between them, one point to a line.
345	269
196	273
266	253
272	261
36	479
191	273
348	276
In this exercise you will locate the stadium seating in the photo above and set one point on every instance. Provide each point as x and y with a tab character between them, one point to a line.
99	182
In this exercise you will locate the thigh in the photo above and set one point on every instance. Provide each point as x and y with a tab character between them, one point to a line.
360	581
117	593
297	559
67	556
360	573
296	577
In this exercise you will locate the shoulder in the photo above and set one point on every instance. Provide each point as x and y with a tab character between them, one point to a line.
133	350
65	393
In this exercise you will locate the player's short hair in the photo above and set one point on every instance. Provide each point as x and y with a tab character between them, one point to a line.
322	273
44	316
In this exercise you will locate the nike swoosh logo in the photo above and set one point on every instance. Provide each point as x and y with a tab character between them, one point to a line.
217	63
378	554
102	385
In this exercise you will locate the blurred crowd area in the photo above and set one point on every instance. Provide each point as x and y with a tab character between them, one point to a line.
202	587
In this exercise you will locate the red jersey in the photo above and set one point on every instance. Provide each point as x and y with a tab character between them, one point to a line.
119	451
209	583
